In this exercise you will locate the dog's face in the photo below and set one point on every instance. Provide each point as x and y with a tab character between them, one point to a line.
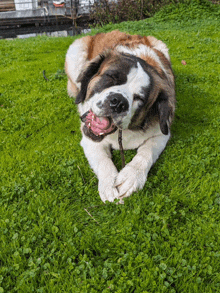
121	91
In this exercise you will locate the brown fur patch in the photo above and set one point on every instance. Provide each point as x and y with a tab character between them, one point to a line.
88	41
163	59
152	62
92	84
102	42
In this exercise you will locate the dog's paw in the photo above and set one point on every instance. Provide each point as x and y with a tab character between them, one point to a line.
129	180
107	191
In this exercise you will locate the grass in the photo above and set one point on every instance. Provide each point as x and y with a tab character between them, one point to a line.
56	234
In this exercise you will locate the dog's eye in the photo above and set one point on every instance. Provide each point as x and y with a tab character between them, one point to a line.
138	98
111	76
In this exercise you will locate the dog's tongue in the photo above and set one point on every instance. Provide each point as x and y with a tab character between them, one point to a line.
98	125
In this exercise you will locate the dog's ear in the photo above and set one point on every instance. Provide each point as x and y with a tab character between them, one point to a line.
86	75
165	111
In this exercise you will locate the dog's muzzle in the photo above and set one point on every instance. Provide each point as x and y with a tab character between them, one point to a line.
97	127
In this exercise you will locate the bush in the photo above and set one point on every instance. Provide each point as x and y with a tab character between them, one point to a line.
107	11
116	11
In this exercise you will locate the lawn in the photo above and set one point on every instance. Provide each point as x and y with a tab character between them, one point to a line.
56	234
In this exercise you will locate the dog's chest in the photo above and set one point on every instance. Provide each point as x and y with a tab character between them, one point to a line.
131	139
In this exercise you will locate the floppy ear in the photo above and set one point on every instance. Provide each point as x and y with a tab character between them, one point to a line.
85	77
164	111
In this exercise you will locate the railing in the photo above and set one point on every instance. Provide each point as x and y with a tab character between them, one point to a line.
7	5
81	6
41	16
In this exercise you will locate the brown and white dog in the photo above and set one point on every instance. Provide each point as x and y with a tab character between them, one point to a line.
125	82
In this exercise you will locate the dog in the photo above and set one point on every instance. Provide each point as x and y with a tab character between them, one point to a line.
121	82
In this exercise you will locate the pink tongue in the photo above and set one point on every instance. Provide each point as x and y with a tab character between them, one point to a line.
98	125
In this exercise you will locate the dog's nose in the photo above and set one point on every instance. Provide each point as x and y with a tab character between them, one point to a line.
118	103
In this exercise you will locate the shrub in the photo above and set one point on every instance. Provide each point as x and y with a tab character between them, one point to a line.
116	11
108	11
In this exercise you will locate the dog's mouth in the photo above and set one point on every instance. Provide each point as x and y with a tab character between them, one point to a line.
97	127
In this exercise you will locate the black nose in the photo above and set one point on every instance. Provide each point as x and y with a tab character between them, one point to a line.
118	103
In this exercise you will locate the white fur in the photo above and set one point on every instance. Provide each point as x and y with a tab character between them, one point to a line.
76	59
133	176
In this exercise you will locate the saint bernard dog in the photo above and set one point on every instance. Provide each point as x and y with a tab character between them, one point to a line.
121	82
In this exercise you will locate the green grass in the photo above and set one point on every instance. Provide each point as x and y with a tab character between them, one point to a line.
166	237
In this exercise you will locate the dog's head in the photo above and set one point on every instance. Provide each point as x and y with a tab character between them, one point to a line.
123	91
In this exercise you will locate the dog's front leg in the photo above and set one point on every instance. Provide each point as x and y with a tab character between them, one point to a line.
133	176
99	157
